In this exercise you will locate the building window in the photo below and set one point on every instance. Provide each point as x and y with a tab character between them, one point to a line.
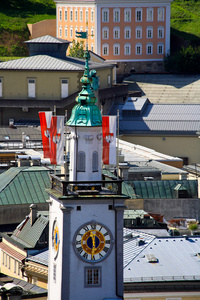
92	47
95	161
71	15
92	276
66	31
81	162
31	88
60	31
92	15
127	32
149	32
161	14
116	33
15	266
149	49
1	88
127	49
138	16
138	49
76	15
60	14
127	15
109	82
105	33
138	32
116	49
116	15
86	15
64	88
105	15
65	14
81	15
105	49
160	49
160	32
149	14
8	262
71	32
92	33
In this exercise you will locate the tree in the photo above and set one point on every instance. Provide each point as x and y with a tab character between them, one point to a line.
76	50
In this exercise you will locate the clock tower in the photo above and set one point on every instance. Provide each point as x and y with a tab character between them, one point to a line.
86	213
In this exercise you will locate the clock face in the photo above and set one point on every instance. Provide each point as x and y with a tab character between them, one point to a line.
93	242
55	238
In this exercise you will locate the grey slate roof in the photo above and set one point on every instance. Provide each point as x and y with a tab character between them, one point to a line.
177	258
159	118
25	185
47	39
49	63
42	257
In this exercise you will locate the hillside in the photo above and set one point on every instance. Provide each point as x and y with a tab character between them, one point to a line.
15	14
14	17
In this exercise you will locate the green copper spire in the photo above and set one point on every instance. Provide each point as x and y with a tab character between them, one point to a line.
86	113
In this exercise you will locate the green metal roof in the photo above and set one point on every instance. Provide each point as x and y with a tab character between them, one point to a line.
163	189
24	185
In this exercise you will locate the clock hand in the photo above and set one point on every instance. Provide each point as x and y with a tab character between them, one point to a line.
92	235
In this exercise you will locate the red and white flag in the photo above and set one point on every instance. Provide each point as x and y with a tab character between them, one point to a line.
45	123
57	140
109	139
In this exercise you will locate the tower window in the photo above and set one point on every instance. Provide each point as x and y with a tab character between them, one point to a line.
92	277
81	162
95	161
31	88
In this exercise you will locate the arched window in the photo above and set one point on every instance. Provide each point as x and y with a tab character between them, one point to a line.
95	161
81	161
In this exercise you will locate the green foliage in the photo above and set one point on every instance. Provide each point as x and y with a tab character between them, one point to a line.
193	227
4	51
77	49
187	60
18	50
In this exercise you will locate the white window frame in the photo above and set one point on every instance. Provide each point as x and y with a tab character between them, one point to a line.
127	15
76	15
60	31
92	47
116	49
31	88
66	31
138	32
92	15
66	14
60	14
71	14
149	30
71	32
105	15
1	88
149	14
64	88
160	30
149	46
116	33
92	32
158	48
86	16
81	15
105	49
161	14
116	15
105	33
138	12
127	29
127	46
138	46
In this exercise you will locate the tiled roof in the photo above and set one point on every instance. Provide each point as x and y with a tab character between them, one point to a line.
41	257
25	185
27	234
162	189
11	251
47	39
175	259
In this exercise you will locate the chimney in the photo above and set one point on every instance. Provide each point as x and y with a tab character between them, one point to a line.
33	208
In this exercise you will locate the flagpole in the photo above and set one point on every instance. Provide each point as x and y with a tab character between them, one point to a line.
118	144
54	113
66	146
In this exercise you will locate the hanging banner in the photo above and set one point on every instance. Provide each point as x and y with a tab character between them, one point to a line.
109	139
57	140
45	123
